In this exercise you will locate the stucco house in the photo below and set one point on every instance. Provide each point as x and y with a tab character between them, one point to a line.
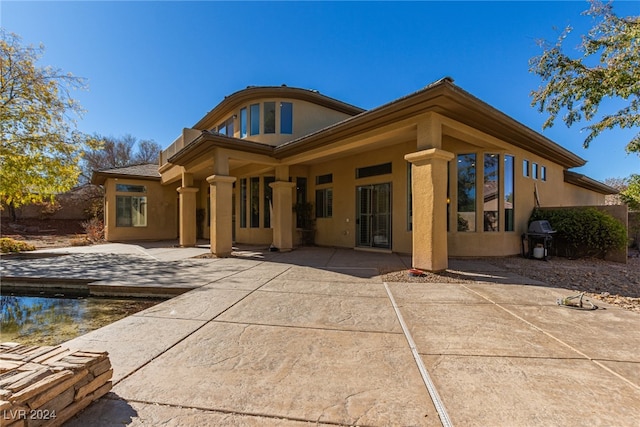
436	173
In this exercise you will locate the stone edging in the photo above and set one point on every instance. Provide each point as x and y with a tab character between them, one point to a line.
46	386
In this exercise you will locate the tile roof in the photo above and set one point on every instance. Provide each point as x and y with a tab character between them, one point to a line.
147	170
144	171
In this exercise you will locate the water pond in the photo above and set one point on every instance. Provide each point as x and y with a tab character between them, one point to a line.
38	320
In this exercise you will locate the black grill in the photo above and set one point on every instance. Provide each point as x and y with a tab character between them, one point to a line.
537	242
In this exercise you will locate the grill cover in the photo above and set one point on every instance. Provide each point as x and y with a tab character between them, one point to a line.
541	227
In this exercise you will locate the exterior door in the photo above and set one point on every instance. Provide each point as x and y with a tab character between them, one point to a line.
373	218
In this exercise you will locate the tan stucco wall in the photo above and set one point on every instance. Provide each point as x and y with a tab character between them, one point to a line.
552	192
374	147
340	229
162	222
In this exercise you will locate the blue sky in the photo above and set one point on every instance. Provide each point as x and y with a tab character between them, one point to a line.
156	67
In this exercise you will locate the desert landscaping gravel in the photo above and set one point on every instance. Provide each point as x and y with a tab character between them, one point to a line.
611	282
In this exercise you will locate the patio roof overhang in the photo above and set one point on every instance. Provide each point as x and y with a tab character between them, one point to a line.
447	99
442	97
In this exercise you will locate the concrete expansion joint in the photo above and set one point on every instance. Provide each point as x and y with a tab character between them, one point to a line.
204	323
307	328
431	388
229	412
333	252
583	356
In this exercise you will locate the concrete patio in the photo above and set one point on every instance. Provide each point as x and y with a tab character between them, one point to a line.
315	336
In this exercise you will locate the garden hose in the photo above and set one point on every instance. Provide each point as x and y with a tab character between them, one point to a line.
576	302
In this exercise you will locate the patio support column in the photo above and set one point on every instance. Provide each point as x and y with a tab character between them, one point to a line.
429	193
187	211
221	214
282	220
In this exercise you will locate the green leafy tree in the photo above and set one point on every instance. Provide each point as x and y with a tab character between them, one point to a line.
631	195
40	147
608	68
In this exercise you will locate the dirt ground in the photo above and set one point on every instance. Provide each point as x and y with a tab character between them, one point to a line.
614	283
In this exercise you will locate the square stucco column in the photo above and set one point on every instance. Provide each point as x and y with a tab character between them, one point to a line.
187	215
429	193
282	221
221	214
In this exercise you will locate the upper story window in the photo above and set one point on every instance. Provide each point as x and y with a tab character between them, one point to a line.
534	171
286	118
254	117
226	128
251	122
270	117
525	168
243	122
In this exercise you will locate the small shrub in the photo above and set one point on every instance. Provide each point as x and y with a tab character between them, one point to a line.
80	241
94	229
584	231
10	245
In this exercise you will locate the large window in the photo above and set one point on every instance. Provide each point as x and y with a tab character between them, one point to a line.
491	191
243	122
269	117
268	200
286	117
243	203
254	116
254	194
324	203
301	198
131	211
466	192
508	191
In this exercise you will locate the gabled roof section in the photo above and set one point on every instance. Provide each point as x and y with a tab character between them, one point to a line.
449	100
147	171
251	93
588	183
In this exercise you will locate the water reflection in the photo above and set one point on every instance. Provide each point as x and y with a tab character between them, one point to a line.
51	321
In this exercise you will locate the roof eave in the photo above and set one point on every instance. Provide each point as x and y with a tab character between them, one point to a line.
423	101
588	183
100	177
207	140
